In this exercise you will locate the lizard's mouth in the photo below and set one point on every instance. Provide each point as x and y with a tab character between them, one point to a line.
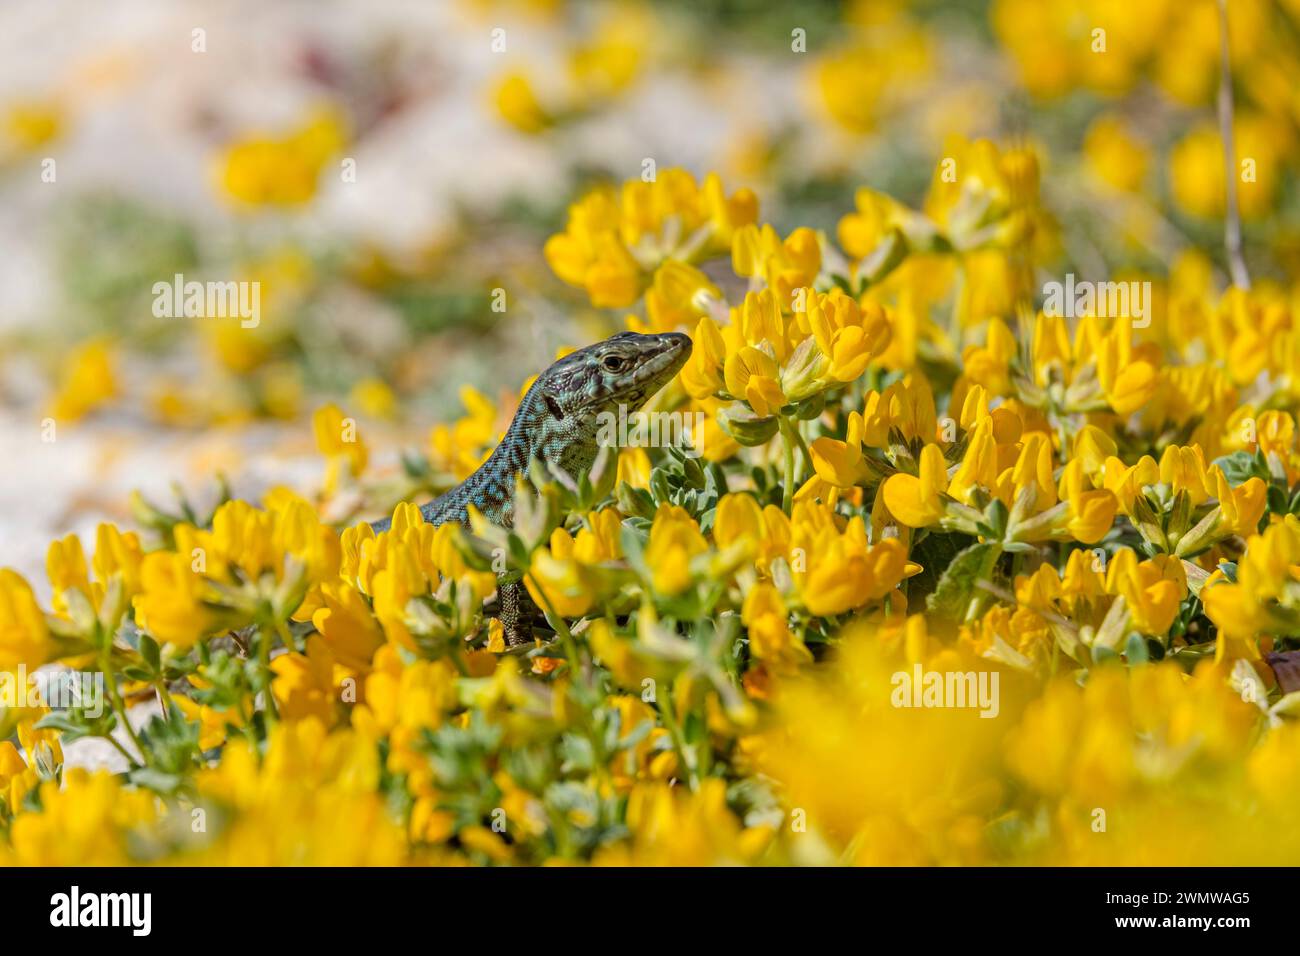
673	350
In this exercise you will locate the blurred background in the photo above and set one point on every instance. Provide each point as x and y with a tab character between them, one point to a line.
383	167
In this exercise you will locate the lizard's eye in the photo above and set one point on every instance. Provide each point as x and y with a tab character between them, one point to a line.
614	363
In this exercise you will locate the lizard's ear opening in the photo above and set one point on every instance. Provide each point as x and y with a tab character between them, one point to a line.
553	406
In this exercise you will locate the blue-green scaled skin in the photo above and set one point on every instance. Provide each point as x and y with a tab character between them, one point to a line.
558	422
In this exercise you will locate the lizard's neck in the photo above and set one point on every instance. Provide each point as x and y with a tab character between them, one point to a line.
491	489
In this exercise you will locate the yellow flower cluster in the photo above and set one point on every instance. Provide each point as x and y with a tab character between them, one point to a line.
1111	48
615	239
955	579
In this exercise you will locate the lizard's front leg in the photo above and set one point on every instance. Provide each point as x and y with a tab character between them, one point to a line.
516	613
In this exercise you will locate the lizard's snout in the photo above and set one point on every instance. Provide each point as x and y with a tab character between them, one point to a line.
678	342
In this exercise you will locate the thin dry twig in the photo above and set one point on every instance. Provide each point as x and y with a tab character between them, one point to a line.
1232	219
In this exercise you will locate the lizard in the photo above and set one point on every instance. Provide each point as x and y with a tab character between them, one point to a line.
558	421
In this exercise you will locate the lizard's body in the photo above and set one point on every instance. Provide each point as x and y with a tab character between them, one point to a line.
558	422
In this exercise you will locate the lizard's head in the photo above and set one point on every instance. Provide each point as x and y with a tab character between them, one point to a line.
622	371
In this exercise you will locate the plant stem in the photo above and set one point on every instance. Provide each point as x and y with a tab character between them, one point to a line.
1232	214
164	697
131	762
119	706
264	665
675	731
982	596
797	432
787	444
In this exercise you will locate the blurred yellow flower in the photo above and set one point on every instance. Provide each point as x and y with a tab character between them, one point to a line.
87	380
1114	155
283	171
24	634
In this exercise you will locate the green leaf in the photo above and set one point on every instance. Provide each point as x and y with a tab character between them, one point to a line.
742	424
1103	655
635	502
1135	649
810	408
934	553
151	653
1240	466
957	586
156	780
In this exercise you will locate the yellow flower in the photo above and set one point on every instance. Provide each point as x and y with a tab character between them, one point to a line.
1196	168
918	501
282	171
393	587
347	626
929	779
1092	448
1152	589
285	807
907	405
848	334
770	638
24	636
338	439
117	564
402	703
249	561
1183	470
1240	507
785	265
615	240
841	463
1114	155
1090	514
1128	380
569	577
87	380
28	125
738	521
861	231
1127	481
16	778
309	685
633	468
991	197
86	822
751	374
173	603
518	105
979	466
834	568
679	295
374	397
675	539
670	828
610	60
857	82
702	375
1260	599
1126	733
213	722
